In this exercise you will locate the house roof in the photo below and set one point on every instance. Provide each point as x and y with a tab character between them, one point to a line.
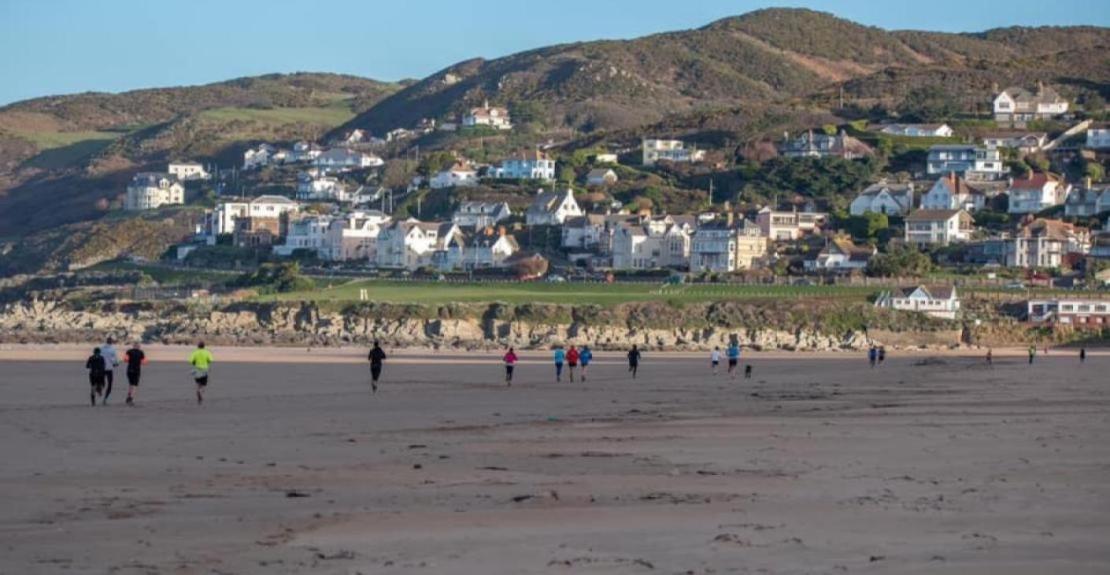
895	189
1050	229
932	215
599	173
933	291
548	201
1034	182
272	199
956	185
1043	95
929	127
528	156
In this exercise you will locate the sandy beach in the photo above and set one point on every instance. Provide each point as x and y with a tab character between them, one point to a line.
818	464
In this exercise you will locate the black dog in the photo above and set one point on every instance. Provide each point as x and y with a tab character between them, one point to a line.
748	371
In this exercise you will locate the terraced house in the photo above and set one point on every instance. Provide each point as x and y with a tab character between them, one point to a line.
152	190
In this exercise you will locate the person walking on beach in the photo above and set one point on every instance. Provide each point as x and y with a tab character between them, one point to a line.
634	360
111	361
135	359
1032	353
585	357
990	358
510	362
1082	355
882	354
376	357
873	355
715	359
572	361
201	360
560	356
733	353
96	366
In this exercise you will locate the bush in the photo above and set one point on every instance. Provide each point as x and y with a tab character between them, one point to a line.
281	277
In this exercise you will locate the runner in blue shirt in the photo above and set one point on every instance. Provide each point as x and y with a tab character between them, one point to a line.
559	356
733	353
585	357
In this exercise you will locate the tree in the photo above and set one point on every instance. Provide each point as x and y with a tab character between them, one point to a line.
530	267
868	226
1094	104
567	174
928	104
900	261
1095	171
1038	162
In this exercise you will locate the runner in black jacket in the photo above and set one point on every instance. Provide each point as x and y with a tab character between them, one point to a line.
96	366
376	357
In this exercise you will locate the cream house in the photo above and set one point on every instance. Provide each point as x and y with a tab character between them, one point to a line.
938	227
152	190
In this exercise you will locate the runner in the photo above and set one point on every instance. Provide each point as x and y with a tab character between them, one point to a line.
95	365
1082	355
873	356
715	359
135	359
634	360
1032	353
572	361
733	353
376	357
201	360
882	354
990	358
111	360
586	356
559	356
510	363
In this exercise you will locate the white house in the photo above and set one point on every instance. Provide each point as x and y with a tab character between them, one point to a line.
655	150
936	301
484	249
657	243
601	177
346	159
940	227
951	192
593	232
1037	192
812	144
313	186
840	255
552	208
605	158
494	117
187	171
891	199
918	130
481	214
969	161
725	247
354	237
304	151
411	244
529	165
1025	142
781	225
1045	243
309	233
258	157
457	176
1098	138
221	219
1087	200
1016	105
151	190
1083	313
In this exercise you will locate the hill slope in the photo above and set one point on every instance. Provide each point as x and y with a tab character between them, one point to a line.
768	56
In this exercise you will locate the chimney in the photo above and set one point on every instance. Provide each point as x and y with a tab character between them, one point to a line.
1087	182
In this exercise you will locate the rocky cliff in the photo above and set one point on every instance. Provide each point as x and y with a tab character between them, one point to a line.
778	325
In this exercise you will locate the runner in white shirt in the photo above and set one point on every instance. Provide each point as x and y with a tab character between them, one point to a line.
715	359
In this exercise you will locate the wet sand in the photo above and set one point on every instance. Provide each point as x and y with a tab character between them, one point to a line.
816	465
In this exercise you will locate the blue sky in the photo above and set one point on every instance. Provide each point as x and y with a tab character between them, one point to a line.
64	46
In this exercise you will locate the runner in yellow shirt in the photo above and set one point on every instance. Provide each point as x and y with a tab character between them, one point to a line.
201	360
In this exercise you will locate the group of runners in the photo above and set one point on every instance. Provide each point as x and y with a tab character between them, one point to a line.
105	359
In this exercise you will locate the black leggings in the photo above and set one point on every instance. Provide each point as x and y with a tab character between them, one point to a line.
108	384
375	372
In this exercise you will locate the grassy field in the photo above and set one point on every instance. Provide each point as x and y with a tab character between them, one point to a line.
329	116
574	293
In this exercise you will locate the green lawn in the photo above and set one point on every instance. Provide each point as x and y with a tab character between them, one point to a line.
328	116
573	293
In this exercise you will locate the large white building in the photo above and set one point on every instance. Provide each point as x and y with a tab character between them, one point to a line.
655	150
481	214
1037	192
725	247
315	187
1016	105
529	165
221	220
966	160
938	227
482	249
936	301
552	208
152	190
952	192
485	115
781	225
457	176
354	236
812	144
187	171
891	199
662	242
306	233
412	244
346	159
